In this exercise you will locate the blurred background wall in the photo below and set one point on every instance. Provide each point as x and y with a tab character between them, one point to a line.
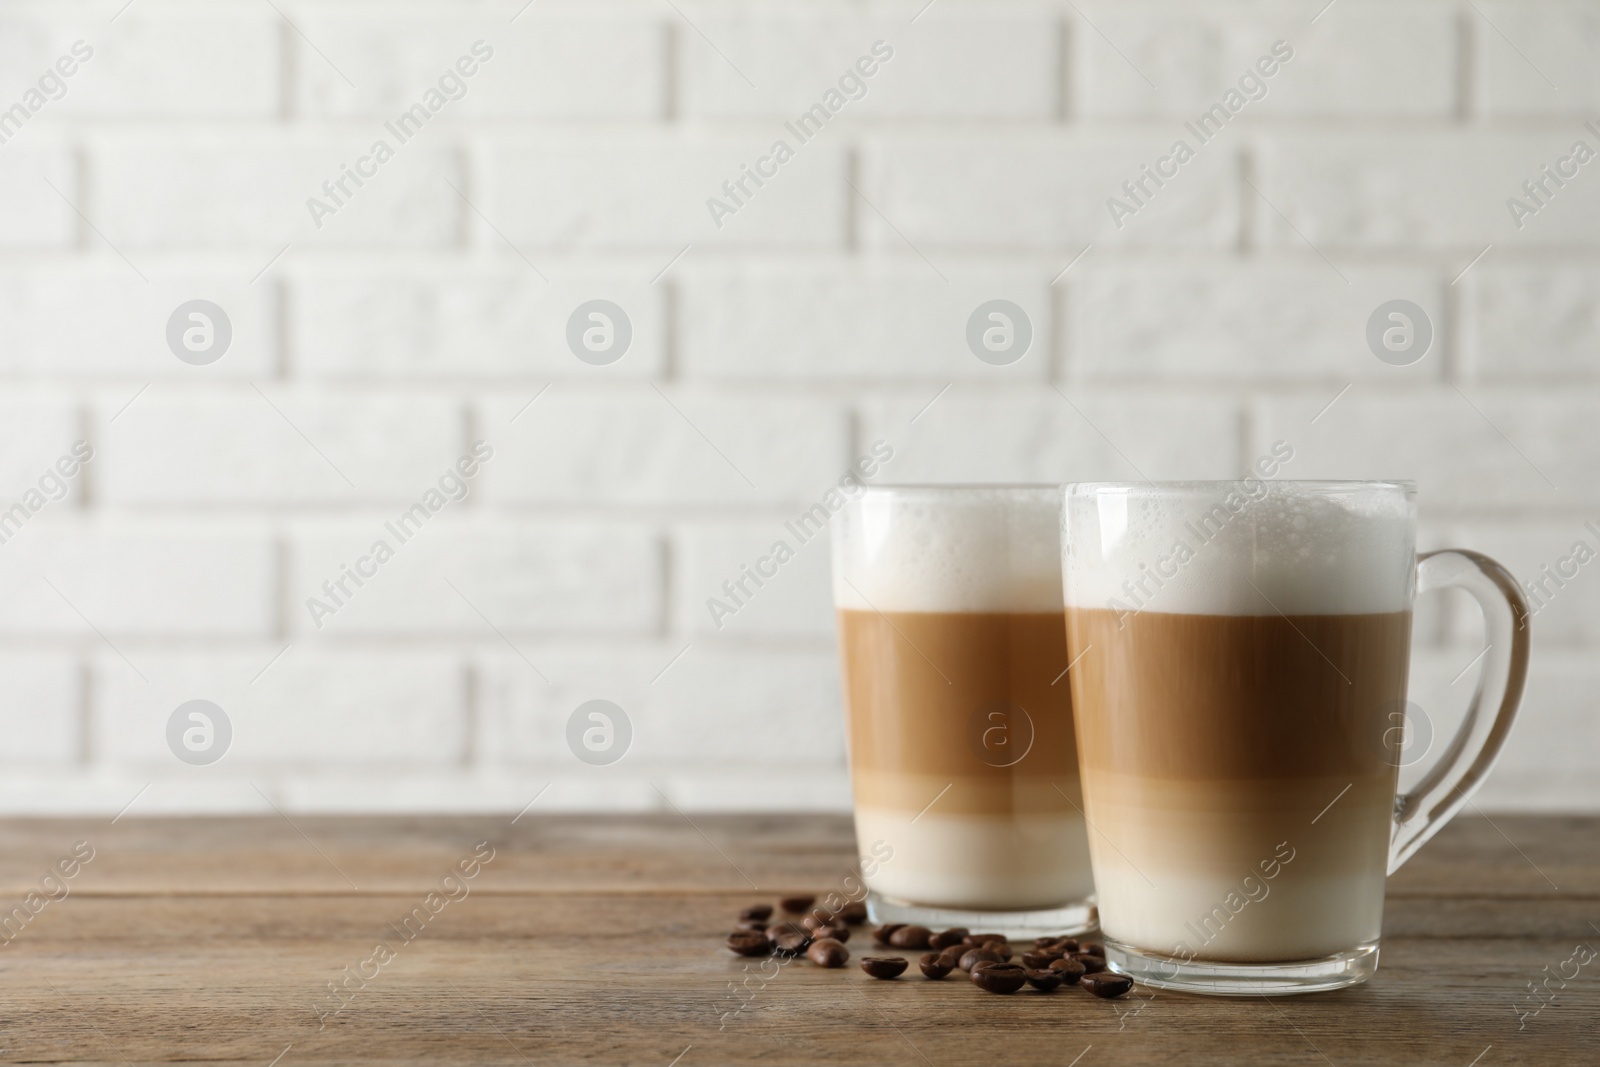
377	328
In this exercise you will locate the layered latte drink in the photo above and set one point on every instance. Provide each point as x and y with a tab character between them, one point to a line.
1242	662
962	749
1240	694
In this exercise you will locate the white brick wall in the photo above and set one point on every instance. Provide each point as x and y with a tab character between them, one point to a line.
52	336
969	63
36	194
827	312
215	188
1408	58
572	66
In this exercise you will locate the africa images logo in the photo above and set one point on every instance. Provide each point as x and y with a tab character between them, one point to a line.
808	124
452	86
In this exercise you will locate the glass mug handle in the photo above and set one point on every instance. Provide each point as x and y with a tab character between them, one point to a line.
1422	812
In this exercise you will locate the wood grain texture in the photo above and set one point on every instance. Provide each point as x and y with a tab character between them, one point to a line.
598	940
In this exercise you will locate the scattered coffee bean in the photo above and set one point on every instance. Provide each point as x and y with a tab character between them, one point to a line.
791	943
1069	969
749	943
999	977
827	953
1107	985
975	956
1045	981
884	966
910	937
820	935
944	940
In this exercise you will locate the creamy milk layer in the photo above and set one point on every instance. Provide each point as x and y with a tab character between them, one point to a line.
1213	920
947	549
1236	548
1015	862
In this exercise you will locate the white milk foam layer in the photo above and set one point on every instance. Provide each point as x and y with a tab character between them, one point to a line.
949	549
1210	548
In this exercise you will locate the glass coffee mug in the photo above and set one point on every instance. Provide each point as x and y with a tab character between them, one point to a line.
962	757
1240	689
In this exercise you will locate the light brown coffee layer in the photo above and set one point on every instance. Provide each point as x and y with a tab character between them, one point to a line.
1194	828
933	699
969	794
1239	696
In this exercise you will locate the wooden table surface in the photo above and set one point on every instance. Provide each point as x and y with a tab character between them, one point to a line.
598	939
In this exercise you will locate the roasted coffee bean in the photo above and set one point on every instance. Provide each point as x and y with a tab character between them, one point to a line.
999	977
951	957
1065	945
999	948
1069	969
1093	948
816	920
884	966
975	956
827	953
791	943
837	931
854	913
1039	960
953	936
983	939
750	924
910	937
757	911
796	905
1045	981
1106	985
749	943
882	933
1091	964
934	966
